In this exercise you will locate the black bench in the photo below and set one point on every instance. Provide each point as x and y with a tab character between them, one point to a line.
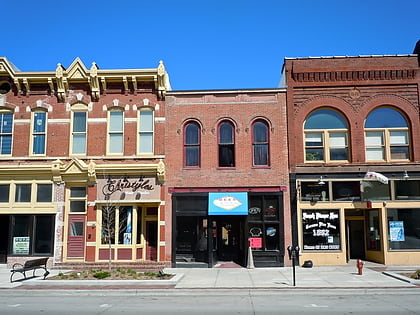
33	264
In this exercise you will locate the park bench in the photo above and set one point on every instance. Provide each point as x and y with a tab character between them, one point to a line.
33	264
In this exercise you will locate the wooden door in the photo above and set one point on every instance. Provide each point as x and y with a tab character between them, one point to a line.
76	236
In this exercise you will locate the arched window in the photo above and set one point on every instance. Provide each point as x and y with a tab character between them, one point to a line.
226	144
326	137
386	135
192	142
260	143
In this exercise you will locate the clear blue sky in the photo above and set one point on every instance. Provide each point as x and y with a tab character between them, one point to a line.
218	44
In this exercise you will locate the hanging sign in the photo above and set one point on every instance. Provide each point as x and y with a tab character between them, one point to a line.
228	203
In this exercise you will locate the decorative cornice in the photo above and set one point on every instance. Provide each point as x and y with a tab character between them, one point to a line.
336	76
58	81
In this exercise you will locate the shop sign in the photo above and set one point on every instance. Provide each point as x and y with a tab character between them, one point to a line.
396	231
21	245
321	230
255	242
228	203
128	188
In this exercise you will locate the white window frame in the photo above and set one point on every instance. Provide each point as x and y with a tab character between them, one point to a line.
75	133
141	133
11	134
110	132
386	144
326	144
34	133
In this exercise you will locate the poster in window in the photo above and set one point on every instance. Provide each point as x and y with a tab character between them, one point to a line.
321	230
396	231
21	245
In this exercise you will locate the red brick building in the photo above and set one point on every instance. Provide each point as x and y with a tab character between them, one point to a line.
353	128
82	164
227	177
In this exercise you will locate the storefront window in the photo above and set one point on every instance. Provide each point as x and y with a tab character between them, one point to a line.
321	229
139	224
373	232
32	234
346	191
403	229
373	190
108	225
312	191
407	190
125	225
263	222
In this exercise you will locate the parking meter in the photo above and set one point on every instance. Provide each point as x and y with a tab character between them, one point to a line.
293	254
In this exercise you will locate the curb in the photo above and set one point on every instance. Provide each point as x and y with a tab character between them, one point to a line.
98	283
401	277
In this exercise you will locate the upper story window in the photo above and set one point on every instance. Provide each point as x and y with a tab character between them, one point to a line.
39	131
146	131
116	132
326	137
226	144
79	132
260	143
192	143
386	136
6	130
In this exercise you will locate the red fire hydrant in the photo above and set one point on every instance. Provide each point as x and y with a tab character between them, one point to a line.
360	264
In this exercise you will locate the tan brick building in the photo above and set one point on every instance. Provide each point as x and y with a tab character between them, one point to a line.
353	126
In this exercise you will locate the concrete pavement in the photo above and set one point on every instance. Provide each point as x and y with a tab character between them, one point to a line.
374	276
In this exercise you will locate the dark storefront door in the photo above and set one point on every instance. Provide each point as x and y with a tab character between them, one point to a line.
151	240
355	239
4	237
229	245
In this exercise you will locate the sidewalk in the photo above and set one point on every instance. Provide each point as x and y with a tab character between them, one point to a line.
374	276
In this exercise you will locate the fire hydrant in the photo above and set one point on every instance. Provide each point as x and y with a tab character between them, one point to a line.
359	265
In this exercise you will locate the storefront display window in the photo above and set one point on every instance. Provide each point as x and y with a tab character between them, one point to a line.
373	232
321	229
32	234
263	222
373	190
346	191
407	190
403	229
312	191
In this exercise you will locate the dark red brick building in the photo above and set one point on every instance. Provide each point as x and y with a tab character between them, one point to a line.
227	149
